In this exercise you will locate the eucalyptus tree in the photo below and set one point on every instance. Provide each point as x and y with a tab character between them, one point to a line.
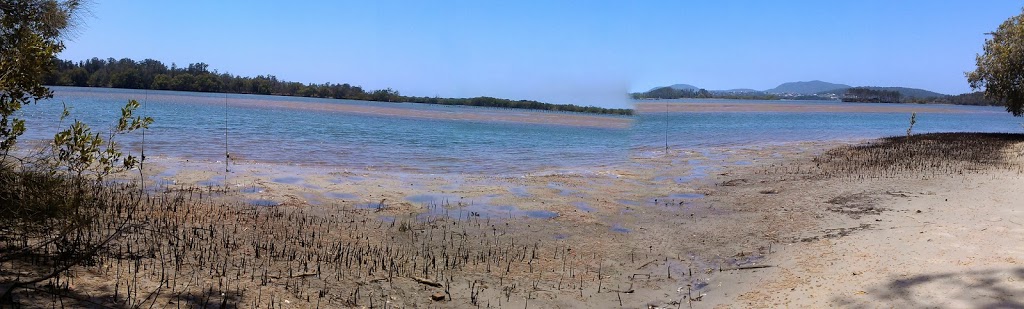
1000	69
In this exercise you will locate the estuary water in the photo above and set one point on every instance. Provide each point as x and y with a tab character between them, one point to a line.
420	138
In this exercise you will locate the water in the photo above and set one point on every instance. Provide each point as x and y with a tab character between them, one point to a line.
192	126
276	129
694	130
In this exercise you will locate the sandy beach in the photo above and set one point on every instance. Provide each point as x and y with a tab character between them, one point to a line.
913	240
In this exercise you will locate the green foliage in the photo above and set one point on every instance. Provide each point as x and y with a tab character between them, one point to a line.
153	74
675	93
973	98
862	94
60	219
29	38
913	120
80	150
1000	69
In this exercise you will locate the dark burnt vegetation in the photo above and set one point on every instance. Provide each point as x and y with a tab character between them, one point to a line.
855	205
192	246
119	246
921	156
50	224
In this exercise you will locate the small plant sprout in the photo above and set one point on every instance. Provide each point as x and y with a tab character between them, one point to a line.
913	120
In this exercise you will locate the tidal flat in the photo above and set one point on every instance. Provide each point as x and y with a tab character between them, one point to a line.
742	235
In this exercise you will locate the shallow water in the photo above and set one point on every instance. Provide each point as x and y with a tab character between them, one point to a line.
461	139
263	202
618	228
486	211
583	206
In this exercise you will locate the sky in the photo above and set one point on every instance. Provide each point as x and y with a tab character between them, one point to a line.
578	52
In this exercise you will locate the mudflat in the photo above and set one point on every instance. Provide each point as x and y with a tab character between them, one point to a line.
930	220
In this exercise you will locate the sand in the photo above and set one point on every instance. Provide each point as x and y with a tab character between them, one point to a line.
773	226
834	241
916	240
952	242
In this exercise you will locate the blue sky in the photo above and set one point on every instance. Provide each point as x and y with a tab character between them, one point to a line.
580	52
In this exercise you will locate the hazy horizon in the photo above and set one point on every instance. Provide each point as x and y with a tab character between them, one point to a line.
556	52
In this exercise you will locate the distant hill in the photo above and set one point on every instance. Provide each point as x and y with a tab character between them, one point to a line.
814	88
811	87
739	90
682	87
910	92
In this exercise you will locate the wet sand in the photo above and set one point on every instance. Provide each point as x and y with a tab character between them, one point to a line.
903	240
772	226
645	228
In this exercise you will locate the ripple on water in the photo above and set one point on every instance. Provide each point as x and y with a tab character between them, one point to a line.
432	198
346	179
698	171
483	210
628	202
168	173
215	181
312	199
519	191
373	205
686	196
583	206
561	189
618	228
341	196
252	189
263	202
288	180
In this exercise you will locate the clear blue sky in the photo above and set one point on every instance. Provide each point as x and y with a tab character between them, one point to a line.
581	52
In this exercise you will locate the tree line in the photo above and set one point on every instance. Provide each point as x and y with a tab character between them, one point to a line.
670	93
155	75
856	94
973	98
867	95
860	94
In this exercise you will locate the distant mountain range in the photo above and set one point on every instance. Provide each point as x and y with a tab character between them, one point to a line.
681	87
811	87
814	87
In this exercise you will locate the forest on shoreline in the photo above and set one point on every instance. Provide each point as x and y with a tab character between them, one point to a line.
155	75
850	95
